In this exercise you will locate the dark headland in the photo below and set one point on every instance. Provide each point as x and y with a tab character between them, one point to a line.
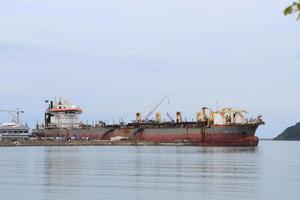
291	133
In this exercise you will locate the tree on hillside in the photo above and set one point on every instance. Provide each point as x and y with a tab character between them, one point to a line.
294	8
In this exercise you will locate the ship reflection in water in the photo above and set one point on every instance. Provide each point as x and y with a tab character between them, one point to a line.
157	172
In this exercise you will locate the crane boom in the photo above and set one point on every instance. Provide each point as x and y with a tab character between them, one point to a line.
14	113
155	107
171	118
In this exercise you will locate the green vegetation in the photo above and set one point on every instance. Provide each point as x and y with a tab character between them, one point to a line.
294	8
291	133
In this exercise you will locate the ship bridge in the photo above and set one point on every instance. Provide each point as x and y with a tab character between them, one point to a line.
63	114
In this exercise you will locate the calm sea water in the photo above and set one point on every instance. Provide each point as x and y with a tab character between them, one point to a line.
269	171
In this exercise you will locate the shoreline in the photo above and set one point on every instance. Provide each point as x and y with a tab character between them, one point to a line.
24	143
45	142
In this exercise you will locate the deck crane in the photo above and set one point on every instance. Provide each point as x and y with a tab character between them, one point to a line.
155	107
170	118
15	114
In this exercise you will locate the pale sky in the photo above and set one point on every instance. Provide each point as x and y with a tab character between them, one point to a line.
114	58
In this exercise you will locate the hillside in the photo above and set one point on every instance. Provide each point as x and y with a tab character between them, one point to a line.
291	133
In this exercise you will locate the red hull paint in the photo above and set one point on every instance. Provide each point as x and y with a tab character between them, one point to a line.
202	139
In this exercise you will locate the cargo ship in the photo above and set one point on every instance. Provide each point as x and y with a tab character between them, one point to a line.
222	127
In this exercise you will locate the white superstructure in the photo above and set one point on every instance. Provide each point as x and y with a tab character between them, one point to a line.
63	114
226	116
